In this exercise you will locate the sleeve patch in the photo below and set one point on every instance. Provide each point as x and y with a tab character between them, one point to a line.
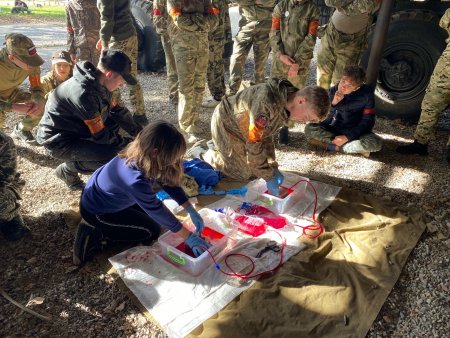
312	27
369	111
276	23
213	10
35	80
157	12
95	125
262	121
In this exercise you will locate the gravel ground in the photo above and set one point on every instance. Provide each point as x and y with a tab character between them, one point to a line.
38	269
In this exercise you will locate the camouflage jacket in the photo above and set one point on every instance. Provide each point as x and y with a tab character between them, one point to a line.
12	77
8	159
445	22
116	22
194	15
256	10
49	82
294	29
83	24
161	19
220	32
254	115
352	7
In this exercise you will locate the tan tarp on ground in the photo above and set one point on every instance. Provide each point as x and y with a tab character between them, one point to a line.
348	272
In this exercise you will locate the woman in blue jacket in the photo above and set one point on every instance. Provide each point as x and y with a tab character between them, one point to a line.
119	203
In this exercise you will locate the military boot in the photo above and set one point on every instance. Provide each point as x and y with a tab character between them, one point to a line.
87	240
69	174
413	148
24	135
15	229
283	136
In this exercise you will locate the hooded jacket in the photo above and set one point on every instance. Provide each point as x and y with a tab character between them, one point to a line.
80	108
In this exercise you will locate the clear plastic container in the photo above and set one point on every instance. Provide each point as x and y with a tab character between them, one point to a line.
291	192
174	252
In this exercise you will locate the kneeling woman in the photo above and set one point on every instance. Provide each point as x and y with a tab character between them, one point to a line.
119	204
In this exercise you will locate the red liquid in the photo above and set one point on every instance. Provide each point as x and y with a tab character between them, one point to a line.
284	192
269	217
253	226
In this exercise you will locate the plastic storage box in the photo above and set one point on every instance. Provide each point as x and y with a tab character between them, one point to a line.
215	223
291	192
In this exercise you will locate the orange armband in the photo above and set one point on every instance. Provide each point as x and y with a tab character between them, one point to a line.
35	80
312	27
175	12
276	23
95	125
69	29
157	12
369	111
213	10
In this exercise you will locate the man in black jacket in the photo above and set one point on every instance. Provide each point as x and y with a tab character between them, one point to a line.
348	127
80	126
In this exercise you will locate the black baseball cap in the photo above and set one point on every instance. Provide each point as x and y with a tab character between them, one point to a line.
119	62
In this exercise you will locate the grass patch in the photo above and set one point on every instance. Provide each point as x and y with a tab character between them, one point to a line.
53	12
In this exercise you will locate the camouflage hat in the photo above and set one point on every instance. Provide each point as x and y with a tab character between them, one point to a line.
119	62
23	48
61	56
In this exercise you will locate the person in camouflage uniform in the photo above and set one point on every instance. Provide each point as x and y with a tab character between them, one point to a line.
292	39
254	29
193	21
216	69
19	60
61	71
83	26
162	21
11	222
348	127
243	126
117	31
228	47
436	99
344	39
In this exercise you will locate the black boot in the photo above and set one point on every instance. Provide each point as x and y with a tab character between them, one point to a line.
69	175
413	148
283	135
15	229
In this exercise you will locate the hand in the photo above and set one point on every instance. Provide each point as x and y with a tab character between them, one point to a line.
273	186
196	244
21	107
340	140
293	71
36	108
286	59
196	219
338	96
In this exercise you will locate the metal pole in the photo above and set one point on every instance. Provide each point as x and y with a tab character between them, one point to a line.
378	42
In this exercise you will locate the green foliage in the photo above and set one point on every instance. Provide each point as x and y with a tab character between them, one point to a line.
41	12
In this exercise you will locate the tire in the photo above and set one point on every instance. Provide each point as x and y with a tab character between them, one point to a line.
414	44
14	11
151	53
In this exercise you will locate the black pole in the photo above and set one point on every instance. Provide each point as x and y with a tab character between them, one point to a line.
378	42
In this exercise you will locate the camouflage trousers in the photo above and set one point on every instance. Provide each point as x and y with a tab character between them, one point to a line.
280	71
436	99
171	68
10	183
336	51
366	143
90	54
250	34
130	47
216	68
229	154
28	121
192	63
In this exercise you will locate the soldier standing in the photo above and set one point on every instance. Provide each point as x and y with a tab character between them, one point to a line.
216	68
83	25
344	39
254	29
19	60
192	22
436	99
243	126
117	31
162	21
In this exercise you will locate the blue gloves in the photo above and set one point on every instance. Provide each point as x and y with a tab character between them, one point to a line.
196	244
273	185
196	219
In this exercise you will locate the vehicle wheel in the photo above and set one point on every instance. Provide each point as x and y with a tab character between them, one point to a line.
14	11
151	53
415	42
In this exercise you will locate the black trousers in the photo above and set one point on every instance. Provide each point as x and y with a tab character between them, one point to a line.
128	225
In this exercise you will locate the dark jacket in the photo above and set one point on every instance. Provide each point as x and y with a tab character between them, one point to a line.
115	20
354	115
80	108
